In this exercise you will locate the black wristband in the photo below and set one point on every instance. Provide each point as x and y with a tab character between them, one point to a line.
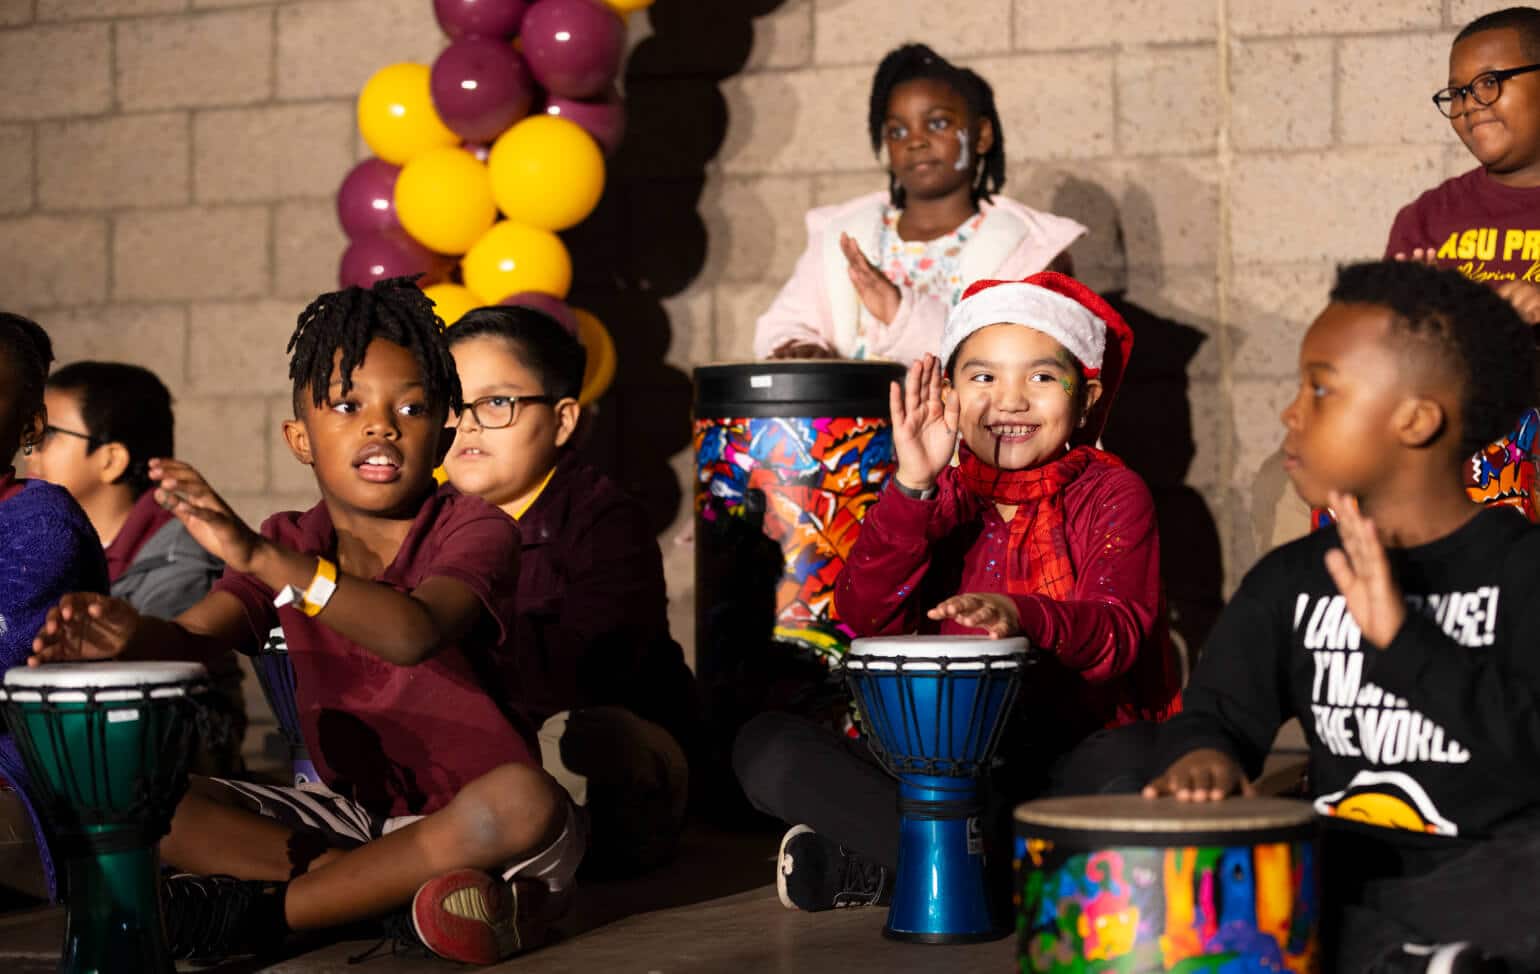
910	492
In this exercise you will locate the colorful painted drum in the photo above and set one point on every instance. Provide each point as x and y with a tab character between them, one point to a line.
276	674
107	747
793	452
934	708
1122	883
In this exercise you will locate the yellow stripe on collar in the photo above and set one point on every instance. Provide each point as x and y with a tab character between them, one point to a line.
524	508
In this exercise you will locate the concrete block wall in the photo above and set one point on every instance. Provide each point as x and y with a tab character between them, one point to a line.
167	169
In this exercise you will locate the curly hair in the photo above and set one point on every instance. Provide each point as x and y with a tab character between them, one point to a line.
395	310
1524	20
915	62
1462	325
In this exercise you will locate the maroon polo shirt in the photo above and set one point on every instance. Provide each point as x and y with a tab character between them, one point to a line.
144	520
402	740
592	625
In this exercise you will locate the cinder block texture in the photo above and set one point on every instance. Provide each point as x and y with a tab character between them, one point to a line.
54	260
1046	25
268	153
54	72
1282	93
95	9
16	147
222	58
329	49
850	31
198	253
113	162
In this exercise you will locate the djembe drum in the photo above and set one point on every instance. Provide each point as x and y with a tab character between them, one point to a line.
1123	883
935	708
276	674
107	747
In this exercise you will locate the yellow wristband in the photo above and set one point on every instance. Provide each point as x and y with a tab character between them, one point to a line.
320	589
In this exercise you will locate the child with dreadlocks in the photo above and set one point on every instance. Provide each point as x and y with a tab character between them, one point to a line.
881	271
395	598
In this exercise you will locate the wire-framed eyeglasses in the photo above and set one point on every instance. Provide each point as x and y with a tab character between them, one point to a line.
496	412
1484	89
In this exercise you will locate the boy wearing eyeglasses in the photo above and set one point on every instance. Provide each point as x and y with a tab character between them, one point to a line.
595	666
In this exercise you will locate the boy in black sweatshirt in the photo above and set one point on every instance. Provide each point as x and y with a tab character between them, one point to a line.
1406	638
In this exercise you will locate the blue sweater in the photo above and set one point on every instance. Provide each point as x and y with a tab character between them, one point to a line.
47	548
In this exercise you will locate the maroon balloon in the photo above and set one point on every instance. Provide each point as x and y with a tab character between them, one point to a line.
573	46
539	301
481	86
480	18
604	119
366	201
377	256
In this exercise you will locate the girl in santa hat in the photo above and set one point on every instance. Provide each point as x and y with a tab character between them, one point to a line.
881	271
1033	531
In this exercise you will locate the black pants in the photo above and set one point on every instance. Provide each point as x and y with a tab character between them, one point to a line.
803	773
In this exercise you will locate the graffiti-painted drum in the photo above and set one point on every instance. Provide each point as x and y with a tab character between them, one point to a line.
1122	883
276	674
107	746
789	456
935	708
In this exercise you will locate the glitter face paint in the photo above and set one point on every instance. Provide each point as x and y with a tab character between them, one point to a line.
964	157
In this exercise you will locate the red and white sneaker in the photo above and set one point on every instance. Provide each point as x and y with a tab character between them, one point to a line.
473	917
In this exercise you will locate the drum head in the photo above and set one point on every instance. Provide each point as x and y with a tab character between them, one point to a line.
939	647
95	676
793	388
1134	820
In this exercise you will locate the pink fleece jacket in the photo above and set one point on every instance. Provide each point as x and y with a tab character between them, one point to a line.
819	306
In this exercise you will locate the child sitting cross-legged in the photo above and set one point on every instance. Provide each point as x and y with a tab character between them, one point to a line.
1033	532
596	669
1403	637
396	599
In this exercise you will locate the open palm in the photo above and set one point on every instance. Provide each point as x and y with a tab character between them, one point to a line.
924	424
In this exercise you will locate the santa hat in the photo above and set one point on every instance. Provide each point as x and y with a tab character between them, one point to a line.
1058	306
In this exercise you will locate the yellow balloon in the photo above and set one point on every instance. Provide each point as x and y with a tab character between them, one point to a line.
512	257
444	200
451	301
624	7
546	172
396	114
600	370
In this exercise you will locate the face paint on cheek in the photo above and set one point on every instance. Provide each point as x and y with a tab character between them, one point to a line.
964	159
1068	386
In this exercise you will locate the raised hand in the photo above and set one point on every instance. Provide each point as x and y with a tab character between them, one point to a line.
84	626
1362	573
995	614
212	523
1525	298
1204	775
1420	255
924	424
877	293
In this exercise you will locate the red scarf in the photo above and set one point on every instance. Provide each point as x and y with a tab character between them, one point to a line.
1038	551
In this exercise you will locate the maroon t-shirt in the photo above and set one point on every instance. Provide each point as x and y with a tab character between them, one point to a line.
1485	230
402	740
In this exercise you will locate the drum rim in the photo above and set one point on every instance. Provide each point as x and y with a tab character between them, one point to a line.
104	676
1234	816
797	365
952	648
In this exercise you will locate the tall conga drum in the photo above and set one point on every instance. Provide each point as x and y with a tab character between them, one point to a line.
107	746
1123	883
789	456
935	708
276	674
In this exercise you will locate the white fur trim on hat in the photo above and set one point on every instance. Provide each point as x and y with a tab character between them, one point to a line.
1063	319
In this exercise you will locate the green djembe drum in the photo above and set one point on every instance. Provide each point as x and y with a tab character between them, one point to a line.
107	747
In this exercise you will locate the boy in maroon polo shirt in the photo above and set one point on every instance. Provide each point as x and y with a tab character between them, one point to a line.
597	670
395	599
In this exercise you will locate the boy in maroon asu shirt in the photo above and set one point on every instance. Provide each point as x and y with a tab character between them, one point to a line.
395	599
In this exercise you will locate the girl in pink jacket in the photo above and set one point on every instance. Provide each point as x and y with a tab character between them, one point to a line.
881	271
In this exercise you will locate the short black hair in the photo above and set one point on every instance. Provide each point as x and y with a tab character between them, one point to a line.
546	348
395	310
1524	20
1465	326
25	344
916	62
122	403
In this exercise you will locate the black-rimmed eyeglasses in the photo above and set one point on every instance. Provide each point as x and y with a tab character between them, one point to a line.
496	412
1484	89
50	430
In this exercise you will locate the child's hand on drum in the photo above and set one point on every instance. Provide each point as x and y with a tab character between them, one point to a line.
212	523
924	425
995	614
1204	775
84	626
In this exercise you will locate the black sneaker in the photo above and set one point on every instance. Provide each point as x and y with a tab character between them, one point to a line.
814	873
1456	958
210	918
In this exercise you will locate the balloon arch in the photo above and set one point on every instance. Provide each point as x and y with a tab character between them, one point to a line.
481	159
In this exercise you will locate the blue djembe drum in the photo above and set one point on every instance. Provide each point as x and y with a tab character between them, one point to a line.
276	674
934	709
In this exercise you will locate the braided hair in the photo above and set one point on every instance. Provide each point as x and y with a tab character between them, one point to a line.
25	344
916	62
395	310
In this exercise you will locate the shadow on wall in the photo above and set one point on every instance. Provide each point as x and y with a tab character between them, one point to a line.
1151	426
647	241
